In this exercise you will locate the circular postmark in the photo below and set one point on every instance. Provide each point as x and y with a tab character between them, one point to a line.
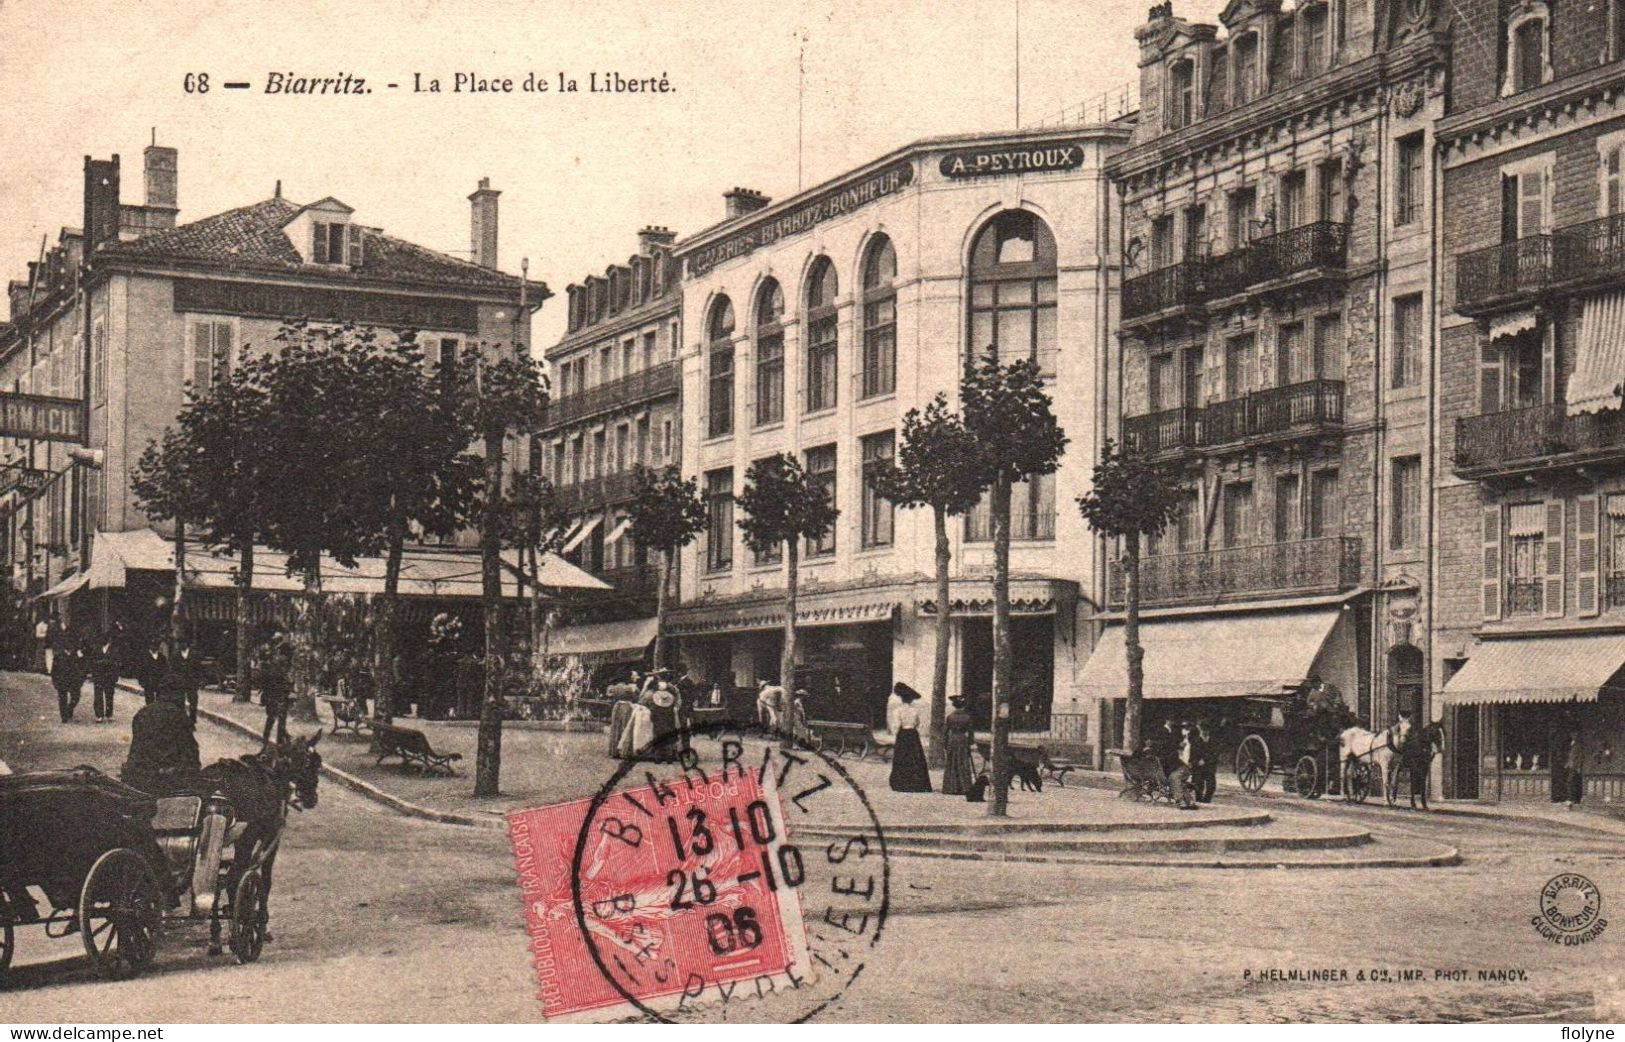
1570	910
730	874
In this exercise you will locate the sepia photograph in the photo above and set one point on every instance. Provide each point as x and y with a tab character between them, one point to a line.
1005	512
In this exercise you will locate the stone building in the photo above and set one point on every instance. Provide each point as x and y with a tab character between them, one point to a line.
1277	209
813	324
1530	620
616	378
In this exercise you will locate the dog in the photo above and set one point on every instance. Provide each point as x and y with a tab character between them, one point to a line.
1026	772
978	790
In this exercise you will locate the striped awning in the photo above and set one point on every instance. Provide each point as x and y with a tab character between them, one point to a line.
1513	324
581	534
1599	360
1572	668
697	619
605	641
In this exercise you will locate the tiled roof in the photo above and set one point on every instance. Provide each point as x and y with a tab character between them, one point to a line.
251	237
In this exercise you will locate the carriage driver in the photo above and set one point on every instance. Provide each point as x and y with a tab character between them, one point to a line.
163	751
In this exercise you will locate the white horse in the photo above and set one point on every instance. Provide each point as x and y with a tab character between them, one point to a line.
1356	743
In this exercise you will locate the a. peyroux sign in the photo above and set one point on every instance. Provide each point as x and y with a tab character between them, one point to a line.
833	203
1013	159
41	417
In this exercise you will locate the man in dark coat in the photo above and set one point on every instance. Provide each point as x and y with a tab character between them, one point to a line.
1205	773
67	676
163	749
184	676
1166	745
150	672
104	676
272	673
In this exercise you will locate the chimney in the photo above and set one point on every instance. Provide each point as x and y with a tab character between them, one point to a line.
742	201
483	229
160	163
101	202
653	236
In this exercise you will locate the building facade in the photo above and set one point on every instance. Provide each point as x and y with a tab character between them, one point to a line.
813	325
1278	214
1531	478
615	408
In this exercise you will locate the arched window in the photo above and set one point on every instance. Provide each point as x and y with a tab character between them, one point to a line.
1181	93
1528	54
1012	311
821	336
719	329
879	319
769	353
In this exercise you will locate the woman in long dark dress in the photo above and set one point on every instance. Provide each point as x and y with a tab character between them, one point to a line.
908	773
959	772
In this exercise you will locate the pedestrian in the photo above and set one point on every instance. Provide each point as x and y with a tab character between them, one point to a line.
960	773
661	702
68	676
1166	745
1207	771
769	703
1573	764
183	675
150	672
1180	782
42	647
276	689
163	750
908	771
104	677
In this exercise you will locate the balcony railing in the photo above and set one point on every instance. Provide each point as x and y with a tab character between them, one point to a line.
638	580
1311	404
1595	249
1026	526
1503	274
1178	285
1524	597
1303	566
1307	248
1522	439
1162	432
596	493
628	391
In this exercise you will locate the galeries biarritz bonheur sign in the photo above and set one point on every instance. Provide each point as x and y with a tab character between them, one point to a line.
1012	159
826	205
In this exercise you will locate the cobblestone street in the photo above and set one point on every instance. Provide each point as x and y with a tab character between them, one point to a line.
378	916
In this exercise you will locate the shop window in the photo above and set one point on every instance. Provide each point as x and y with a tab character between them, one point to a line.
820	465
1525	558
1013	290
769	354
719	331
1528	735
719	516
879	319
877	520
822	336
1410	186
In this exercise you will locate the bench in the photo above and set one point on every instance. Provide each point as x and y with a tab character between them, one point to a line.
1062	757
347	715
847	736
1144	779
412	747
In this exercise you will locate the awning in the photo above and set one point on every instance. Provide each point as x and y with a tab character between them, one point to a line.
1214	657
1513	323
759	614
603	640
1538	669
581	533
1599	360
67	586
971	597
618	531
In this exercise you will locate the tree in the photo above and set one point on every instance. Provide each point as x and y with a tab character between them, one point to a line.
782	504
535	525
506	396
1130	497
1009	416
667	513
936	467
165	483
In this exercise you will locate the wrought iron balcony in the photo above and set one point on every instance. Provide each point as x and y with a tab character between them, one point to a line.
597	493
1277	413
1299	567
654	382
1510	273
1521	440
1589	252
1308	249
1182	285
1162	433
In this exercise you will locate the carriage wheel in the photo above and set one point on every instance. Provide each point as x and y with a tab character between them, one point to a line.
1306	778
1358	786
8	944
119	912
248	917
1252	763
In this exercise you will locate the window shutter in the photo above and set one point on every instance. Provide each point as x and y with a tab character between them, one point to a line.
223	356
318	243
352	242
202	351
1509	207
1586	531
1553	545
1492	562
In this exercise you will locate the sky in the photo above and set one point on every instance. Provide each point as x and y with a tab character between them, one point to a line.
579	172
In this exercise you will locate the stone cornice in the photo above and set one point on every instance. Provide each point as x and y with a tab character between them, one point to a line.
1550	103
661	308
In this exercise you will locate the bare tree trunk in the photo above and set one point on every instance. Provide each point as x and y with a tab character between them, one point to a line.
939	663
1132	652
488	758
660	608
383	644
787	656
998	805
245	585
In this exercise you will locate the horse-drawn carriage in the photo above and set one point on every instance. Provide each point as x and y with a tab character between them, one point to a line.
90	855
1282	735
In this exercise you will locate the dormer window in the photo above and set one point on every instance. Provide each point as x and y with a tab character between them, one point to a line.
1313	31
1528	56
1181	94
1247	68
335	243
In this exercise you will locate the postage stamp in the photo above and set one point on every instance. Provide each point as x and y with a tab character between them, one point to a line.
719	877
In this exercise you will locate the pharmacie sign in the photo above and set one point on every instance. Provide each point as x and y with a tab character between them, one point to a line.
836	202
42	418
1013	159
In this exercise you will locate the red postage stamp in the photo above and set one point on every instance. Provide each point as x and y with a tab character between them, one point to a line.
662	897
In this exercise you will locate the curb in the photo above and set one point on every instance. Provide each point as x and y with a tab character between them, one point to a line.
1085	846
353	783
1450	857
994	830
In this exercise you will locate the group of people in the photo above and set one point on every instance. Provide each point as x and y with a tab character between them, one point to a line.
647	708
1186	752
101	659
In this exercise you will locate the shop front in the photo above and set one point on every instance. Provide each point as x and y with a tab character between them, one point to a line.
1538	719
